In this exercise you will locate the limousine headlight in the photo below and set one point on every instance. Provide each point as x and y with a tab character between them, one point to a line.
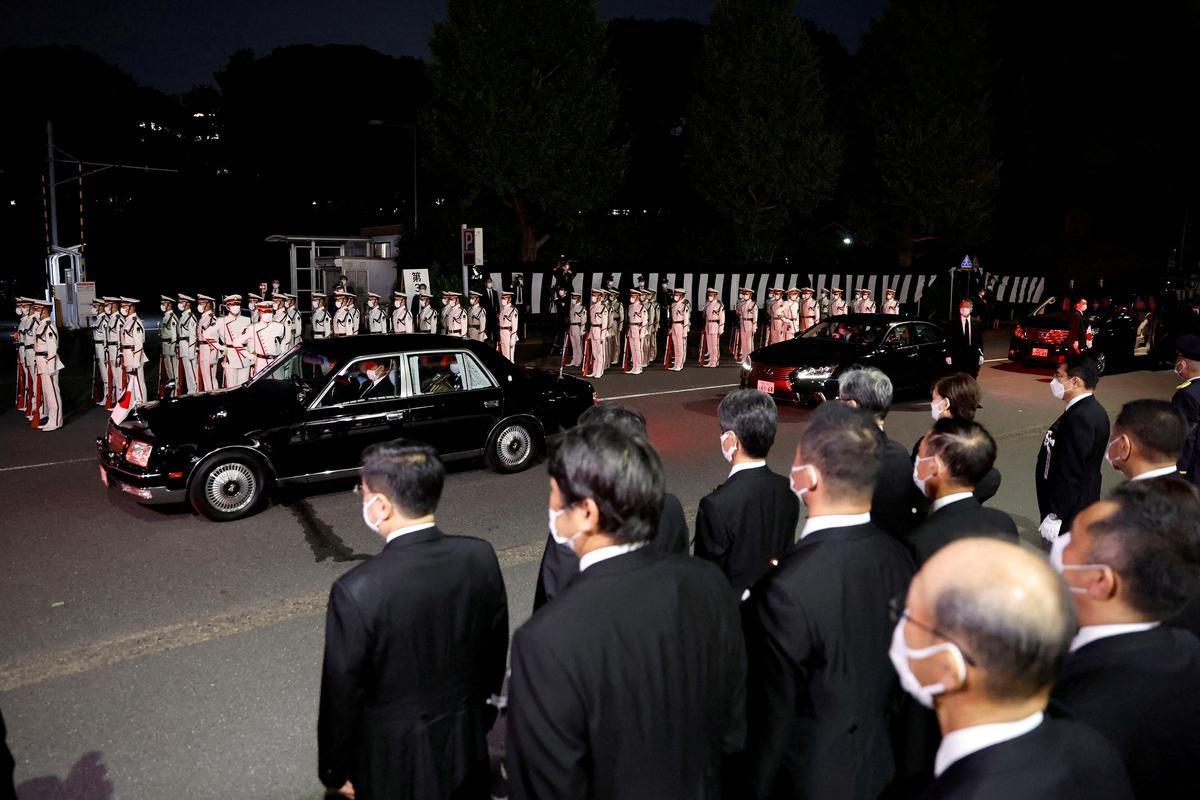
818	373
139	452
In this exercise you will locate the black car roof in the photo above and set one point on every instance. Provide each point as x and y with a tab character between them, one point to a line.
342	347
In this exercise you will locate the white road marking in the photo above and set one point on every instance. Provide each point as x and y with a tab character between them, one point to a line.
47	464
669	391
993	360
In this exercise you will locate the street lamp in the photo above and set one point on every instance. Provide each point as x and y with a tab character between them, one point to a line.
412	129
847	240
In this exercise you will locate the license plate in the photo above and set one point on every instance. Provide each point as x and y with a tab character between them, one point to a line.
1041	352
766	386
103	476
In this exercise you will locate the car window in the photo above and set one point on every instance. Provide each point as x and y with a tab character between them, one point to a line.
859	333
365	380
899	336
302	364
437	373
928	334
477	376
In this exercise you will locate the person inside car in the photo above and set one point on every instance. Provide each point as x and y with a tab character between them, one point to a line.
378	384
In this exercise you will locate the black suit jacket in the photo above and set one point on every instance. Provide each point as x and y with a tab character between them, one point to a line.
959	520
1069	461
1057	759
560	565
629	685
965	350
415	642
1142	691
745	523
821	687
896	505
985	490
7	763
1186	401
376	391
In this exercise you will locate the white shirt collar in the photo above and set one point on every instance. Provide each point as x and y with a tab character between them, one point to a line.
420	526
965	741
1091	633
942	502
746	465
1155	473
814	524
605	553
1077	399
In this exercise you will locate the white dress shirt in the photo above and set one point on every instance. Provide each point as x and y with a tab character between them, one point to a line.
746	465
963	742
420	526
942	502
1155	473
814	524
1077	399
605	553
1090	633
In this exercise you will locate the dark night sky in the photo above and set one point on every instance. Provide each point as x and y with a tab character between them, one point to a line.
173	44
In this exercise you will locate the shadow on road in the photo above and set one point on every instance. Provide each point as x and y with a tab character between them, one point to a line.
87	780
319	535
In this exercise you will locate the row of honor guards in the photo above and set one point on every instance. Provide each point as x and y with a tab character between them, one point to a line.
605	334
38	364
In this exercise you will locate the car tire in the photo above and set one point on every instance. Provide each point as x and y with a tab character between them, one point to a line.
227	486
512	447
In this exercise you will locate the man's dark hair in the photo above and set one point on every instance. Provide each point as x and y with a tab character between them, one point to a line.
963	393
1156	427
753	417
407	473
845	446
868	387
1152	541
626	419
620	472
966	448
1083	366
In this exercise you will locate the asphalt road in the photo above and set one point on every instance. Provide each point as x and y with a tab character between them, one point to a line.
149	653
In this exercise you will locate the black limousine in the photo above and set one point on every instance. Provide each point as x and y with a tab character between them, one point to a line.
308	416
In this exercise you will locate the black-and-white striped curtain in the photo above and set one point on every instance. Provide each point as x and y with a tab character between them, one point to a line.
1017	289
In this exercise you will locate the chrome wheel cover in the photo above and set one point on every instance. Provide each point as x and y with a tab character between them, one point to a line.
513	446
230	488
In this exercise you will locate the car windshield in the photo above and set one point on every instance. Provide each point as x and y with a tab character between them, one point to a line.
856	333
298	365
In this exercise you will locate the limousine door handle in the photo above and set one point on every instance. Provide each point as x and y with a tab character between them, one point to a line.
396	416
491	403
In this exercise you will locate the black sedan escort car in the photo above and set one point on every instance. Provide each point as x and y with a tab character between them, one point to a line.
804	370
308	416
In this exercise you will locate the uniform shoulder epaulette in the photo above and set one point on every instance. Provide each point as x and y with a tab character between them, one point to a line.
1185	384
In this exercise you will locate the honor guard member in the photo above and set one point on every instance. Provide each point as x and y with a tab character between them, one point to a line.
777	310
868	303
31	378
267	337
1186	401
24	380
254	299
293	321
168	337
838	305
809	310
594	360
376	317
233	335
112	344
354	323
133	352
890	304
427	317
343	318
714	327
823	304
650	328
101	374
444	313
208	348
791	313
747	313
677	338
47	364
578	320
635	337
322	322
456	316
476	318
402	318
187	346
616	324
509	320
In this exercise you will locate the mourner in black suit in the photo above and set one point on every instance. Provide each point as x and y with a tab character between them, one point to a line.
1072	452
965	340
379	384
1187	402
559	564
953	455
749	521
415	642
980	639
1077	326
1147	437
820	687
491	302
1132	562
631	684
7	790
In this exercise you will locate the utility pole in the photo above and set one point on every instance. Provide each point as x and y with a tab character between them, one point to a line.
53	199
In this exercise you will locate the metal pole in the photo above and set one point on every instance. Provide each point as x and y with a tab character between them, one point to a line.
413	129
50	172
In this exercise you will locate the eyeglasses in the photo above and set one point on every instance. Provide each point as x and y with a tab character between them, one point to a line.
898	611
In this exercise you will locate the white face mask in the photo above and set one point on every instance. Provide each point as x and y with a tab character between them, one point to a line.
728	452
125	312
1061	568
20	312
266	316
234	310
1057	389
800	492
1109	459
180	306
374	526
900	654
569	541
920	482
965	312
936	410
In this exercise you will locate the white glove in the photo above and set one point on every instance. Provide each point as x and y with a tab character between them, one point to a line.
1050	527
981	359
